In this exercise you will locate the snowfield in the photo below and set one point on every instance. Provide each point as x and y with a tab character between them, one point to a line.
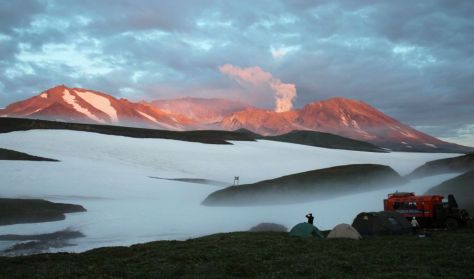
110	177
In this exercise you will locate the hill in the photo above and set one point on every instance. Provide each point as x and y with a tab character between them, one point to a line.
462	187
325	140
457	164
18	211
307	186
261	255
212	137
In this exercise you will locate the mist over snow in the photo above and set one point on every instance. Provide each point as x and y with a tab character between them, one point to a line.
109	176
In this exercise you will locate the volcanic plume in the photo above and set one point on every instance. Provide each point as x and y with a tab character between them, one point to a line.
284	92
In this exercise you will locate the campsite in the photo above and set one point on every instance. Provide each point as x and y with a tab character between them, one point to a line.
263	255
375	245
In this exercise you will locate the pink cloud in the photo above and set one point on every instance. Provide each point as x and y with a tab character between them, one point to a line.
284	93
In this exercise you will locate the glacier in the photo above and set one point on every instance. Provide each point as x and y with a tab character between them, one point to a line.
110	177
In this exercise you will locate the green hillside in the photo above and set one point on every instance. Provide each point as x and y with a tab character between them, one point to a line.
262	255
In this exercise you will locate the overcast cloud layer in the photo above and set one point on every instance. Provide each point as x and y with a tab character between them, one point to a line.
411	59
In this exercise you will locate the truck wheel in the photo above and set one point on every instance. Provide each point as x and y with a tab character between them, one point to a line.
451	223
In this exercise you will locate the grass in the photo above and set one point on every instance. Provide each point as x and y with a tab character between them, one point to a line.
262	255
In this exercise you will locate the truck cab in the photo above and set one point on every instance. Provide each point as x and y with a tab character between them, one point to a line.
429	210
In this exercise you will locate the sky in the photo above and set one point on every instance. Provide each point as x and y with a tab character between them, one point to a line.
413	60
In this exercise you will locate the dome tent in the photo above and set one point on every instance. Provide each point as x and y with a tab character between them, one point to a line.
305	230
381	223
344	231
269	227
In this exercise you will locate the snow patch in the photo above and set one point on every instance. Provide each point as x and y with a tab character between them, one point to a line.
99	102
166	126
355	124
44	96
430	145
35	111
109	176
71	99
344	120
403	132
148	116
407	134
402	142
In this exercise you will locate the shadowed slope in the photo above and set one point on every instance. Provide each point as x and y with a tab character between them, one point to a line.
307	186
462	187
212	137
17	211
457	164
7	154
325	140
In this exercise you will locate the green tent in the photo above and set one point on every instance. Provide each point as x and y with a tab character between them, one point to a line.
305	230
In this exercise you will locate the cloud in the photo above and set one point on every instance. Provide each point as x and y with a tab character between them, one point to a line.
284	93
464	136
282	51
413	61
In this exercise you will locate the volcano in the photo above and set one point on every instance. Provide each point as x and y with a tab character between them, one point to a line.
87	106
340	116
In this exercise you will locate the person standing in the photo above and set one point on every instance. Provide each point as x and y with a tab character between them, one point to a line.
310	218
414	225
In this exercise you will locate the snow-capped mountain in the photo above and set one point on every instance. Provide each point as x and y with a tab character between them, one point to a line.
358	120
345	117
81	105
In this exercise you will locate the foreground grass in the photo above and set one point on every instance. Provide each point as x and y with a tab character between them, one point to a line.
262	255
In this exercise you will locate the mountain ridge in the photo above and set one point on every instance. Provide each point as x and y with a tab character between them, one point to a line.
341	116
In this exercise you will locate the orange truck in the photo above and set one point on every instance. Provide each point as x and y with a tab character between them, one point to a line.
429	210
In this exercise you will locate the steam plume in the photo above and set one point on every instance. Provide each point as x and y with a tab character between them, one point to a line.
284	92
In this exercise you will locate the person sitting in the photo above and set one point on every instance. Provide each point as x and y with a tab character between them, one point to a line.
310	218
